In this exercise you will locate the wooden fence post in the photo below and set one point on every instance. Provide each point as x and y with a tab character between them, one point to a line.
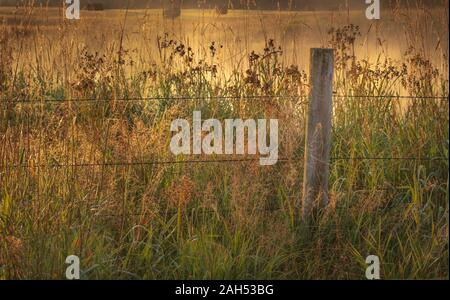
318	131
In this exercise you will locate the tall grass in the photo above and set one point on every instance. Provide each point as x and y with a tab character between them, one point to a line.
73	177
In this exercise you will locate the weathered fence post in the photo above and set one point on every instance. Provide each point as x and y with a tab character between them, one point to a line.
318	131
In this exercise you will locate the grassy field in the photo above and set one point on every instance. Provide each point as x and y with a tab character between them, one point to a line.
76	177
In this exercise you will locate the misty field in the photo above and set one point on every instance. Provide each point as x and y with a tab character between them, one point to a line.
85	166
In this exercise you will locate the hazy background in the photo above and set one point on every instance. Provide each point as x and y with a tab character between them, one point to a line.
296	26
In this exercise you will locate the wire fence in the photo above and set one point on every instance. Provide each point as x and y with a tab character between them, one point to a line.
121	164
329	227
41	100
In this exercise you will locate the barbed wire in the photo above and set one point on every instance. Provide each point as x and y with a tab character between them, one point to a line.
156	98
155	162
211	161
392	158
39	100
393	97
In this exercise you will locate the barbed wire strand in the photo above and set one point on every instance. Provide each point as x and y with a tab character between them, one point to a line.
156	98
207	161
238	97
